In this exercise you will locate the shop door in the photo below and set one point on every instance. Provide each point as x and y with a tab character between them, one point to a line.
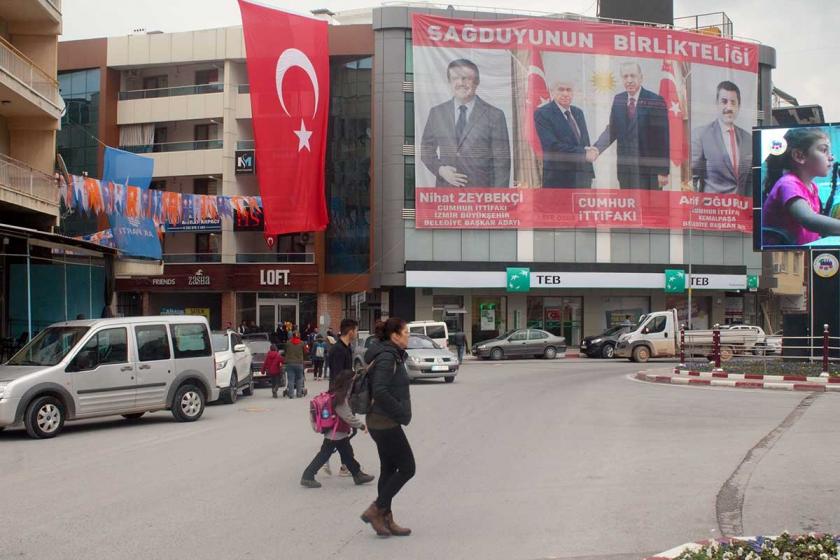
564	317
275	311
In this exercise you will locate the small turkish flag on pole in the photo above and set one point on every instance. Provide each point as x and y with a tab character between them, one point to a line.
676	125
289	77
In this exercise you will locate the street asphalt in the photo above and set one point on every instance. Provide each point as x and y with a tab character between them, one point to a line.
524	460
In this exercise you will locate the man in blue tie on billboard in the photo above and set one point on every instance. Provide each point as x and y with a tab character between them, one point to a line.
465	142
563	135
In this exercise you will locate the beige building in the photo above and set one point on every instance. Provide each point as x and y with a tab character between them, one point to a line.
30	110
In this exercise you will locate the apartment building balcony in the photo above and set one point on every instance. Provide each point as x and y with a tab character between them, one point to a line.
26	188
190	102
26	90
23	15
190	258
177	159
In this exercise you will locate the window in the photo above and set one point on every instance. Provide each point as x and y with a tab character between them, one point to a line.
537	335
519	336
201	185
152	343
797	260
190	341
435	331
155	82
657	324
108	346
76	140
207	76
417	330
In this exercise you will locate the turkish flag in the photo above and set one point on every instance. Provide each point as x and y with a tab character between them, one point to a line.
537	97
289	77
676	124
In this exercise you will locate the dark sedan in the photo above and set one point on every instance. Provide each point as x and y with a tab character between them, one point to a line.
521	343
603	345
259	348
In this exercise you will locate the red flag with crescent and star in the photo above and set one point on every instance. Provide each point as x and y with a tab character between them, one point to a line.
670	92
537	96
289	76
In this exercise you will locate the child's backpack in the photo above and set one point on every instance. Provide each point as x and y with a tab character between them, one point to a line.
321	412
320	350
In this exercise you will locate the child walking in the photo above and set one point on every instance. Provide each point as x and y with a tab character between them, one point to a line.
791	212
338	437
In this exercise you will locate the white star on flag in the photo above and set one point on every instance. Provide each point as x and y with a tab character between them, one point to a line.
303	137
675	107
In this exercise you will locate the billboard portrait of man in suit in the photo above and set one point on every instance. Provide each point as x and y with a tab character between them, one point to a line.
721	151
465	141
639	126
563	135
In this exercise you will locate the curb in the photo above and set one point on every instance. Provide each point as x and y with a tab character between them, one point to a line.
756	376
789	385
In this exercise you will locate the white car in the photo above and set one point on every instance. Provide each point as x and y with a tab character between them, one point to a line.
765	343
233	366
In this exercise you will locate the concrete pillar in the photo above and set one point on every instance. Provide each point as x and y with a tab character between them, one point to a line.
146	304
330	311
229	308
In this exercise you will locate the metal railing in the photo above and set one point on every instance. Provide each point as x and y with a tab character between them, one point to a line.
175	91
21	178
275	258
18	65
245	144
181	258
175	146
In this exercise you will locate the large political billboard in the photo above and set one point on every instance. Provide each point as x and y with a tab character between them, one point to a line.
549	123
796	200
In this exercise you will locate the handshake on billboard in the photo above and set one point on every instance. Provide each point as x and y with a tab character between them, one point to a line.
591	153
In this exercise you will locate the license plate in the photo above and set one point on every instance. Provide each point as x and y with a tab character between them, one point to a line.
440	368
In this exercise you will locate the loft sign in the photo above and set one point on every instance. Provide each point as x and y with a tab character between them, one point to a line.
274	277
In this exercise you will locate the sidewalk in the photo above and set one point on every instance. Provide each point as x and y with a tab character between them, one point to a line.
679	376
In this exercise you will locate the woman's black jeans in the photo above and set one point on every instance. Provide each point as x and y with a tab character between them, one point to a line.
397	463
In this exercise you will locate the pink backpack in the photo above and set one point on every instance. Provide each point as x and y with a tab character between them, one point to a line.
321	413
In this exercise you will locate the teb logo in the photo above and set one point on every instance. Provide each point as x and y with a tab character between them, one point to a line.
518	279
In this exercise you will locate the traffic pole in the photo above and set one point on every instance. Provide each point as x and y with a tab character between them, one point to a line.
682	346
825	351
716	346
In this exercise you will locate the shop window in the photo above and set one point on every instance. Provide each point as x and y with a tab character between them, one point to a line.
207	76
561	316
488	317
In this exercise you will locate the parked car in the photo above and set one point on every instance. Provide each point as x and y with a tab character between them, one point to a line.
603	345
259	348
103	367
426	359
255	336
765	343
520	343
233	366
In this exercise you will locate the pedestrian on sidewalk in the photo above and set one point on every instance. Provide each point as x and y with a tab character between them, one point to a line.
338	438
459	339
273	368
318	354
295	350
390	410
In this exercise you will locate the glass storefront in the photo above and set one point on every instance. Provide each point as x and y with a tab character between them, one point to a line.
488	317
618	310
562	316
268	309
450	310
206	304
76	140
701	310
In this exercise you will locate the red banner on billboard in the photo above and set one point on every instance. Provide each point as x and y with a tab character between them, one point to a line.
288	73
580	208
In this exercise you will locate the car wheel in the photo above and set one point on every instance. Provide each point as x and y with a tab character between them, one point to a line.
44	417
232	392
249	389
550	353
133	415
641	354
497	354
188	405
608	351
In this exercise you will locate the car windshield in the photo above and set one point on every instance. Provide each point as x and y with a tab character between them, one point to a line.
416	342
221	342
258	346
618	329
49	347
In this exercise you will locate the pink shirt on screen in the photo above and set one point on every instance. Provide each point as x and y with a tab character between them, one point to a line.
774	213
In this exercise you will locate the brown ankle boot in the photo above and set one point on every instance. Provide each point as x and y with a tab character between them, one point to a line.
376	518
395	529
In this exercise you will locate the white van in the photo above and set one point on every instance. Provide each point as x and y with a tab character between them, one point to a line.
103	367
436	330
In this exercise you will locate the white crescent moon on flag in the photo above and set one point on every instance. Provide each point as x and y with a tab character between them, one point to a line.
291	58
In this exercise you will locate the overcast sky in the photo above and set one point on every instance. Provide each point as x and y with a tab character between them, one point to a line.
804	50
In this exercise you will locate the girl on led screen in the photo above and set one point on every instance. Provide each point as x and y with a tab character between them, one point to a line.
791	213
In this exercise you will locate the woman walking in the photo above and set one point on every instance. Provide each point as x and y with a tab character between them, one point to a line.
390	411
338	438
273	368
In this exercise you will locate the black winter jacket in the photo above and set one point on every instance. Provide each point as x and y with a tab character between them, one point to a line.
389	384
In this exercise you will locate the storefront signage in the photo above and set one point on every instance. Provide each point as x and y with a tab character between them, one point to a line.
198	279
163	281
505	280
245	162
274	277
826	265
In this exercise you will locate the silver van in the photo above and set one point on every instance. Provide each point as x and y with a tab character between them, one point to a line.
102	367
